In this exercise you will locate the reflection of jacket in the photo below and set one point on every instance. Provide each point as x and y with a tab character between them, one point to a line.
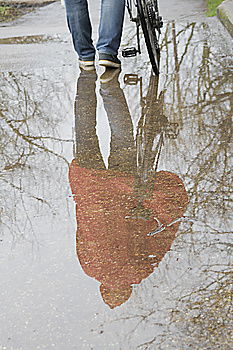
112	248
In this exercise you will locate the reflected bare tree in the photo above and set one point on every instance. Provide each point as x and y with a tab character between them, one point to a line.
31	111
204	103
206	312
186	303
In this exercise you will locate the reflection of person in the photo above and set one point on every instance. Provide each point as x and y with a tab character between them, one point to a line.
112	244
110	31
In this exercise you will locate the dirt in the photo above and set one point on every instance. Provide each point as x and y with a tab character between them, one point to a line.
10	11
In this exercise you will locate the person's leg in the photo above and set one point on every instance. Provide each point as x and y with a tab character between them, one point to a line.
110	28
123	151
88	153
80	27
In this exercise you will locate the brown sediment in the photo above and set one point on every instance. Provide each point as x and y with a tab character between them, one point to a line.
10	11
30	39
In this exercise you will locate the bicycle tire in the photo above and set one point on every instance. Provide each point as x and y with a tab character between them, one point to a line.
147	9
150	130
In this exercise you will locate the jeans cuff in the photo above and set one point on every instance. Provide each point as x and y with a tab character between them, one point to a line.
107	52
87	58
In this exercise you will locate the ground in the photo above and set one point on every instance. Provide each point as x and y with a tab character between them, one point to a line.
88	170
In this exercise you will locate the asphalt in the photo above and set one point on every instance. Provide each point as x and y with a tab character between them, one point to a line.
224	10
90	170
50	22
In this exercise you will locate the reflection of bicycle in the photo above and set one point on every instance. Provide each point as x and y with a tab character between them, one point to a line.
153	126
152	130
147	16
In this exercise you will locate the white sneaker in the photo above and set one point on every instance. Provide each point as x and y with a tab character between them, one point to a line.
109	60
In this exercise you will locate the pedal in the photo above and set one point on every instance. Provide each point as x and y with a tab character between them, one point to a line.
131	79
129	52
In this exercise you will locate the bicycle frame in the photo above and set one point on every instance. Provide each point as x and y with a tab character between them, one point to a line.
147	17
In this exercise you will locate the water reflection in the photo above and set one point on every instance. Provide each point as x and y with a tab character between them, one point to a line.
117	207
186	301
34	143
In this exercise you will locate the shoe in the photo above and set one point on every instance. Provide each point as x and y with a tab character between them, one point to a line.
87	64
109	60
109	75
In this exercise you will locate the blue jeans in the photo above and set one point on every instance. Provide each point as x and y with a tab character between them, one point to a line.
110	27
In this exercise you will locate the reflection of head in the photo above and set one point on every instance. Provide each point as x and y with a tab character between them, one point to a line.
114	297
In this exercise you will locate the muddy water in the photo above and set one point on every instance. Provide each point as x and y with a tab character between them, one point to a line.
116	202
31	39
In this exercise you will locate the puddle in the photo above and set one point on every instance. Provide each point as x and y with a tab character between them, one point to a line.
116	202
32	39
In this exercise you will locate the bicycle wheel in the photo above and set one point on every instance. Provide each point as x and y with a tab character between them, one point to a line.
151	23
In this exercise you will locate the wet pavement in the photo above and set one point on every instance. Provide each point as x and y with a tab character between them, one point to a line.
116	200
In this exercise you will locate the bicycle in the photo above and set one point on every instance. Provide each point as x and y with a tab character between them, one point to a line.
148	18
